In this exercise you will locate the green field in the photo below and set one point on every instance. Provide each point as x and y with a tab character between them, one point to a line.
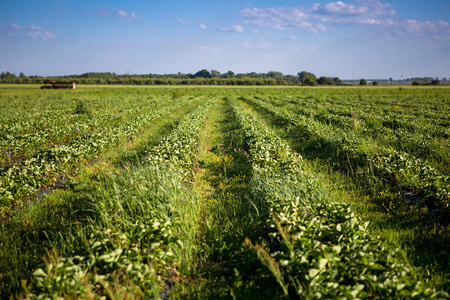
225	192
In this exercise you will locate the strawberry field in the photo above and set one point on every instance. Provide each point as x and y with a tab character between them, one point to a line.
210	192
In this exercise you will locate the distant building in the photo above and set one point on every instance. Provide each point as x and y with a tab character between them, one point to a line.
380	82
51	84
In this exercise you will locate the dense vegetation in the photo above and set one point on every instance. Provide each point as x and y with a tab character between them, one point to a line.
225	192
205	77
202	77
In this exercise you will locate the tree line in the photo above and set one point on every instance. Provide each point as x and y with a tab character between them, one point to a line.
202	77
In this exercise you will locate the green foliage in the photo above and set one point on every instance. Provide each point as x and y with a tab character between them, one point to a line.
310	82
203	73
435	82
320	243
81	108
362	81
303	76
172	223
365	153
337	81
82	140
215	74
326	81
276	75
7	75
229	74
137	234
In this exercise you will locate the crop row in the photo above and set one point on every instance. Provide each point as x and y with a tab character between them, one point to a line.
30	114
421	140
415	111
321	250
16	145
344	116
397	168
23	138
22	180
130	250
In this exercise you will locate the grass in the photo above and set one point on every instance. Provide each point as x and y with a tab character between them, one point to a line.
206	229
228	216
423	237
54	220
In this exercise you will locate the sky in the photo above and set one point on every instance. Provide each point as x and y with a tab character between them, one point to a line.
350	39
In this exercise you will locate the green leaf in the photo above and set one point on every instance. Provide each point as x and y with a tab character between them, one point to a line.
39	272
313	272
322	263
337	249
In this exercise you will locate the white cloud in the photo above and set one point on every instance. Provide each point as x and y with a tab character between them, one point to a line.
320	17
34	32
340	8
292	38
425	28
126	16
118	13
31	27
202	26
321	27
41	35
231	28
263	45
15	27
280	18
181	21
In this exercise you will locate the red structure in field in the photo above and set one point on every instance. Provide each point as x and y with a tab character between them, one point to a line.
51	84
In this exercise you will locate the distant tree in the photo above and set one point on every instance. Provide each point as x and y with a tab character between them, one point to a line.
337	81
21	75
362	81
390	79
274	74
325	81
8	75
425	82
303	75
435	82
215	74
203	73
229	74
375	82
310	81
415	82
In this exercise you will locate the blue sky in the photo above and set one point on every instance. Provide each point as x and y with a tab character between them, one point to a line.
349	39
